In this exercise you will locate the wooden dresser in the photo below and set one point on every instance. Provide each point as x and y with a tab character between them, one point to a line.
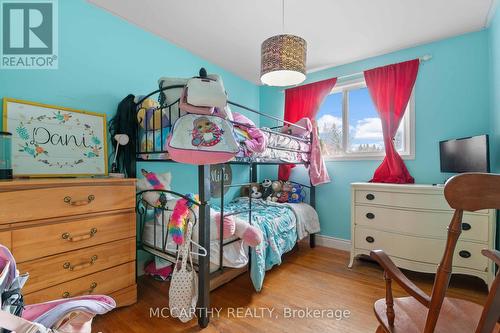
409	222
73	236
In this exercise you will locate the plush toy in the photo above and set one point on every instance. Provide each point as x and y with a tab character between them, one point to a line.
250	235
276	186
254	189
283	197
153	181
286	186
149	112
297	194
179	217
267	190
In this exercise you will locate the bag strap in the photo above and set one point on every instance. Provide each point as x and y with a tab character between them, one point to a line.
20	325
186	247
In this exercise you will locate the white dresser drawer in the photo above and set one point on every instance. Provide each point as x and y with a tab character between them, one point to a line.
426	250
431	200
421	223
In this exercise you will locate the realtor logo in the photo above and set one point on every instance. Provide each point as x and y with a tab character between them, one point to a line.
29	34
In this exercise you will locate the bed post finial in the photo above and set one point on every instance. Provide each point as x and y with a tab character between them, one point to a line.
203	72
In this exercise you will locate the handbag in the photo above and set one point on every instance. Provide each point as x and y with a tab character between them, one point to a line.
189	108
199	140
206	91
183	292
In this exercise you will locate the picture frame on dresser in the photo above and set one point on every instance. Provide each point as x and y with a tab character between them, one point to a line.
409	222
55	141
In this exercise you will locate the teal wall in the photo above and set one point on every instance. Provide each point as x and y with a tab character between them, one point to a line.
494	40
452	99
102	58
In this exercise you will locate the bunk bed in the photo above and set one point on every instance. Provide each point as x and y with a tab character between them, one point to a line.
282	148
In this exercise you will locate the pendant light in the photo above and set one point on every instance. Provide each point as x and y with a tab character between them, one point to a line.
283	58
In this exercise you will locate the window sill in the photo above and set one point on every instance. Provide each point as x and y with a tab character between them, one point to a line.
366	157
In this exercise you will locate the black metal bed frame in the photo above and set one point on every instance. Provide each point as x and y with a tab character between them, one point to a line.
203	204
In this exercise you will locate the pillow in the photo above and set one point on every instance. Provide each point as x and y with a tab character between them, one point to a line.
169	96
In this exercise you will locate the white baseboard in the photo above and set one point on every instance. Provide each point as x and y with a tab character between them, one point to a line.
333	242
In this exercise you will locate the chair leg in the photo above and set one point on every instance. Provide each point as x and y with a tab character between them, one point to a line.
389	302
380	329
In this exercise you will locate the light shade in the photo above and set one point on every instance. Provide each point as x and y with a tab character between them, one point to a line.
283	60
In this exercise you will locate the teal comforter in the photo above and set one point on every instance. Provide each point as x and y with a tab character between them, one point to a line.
278	225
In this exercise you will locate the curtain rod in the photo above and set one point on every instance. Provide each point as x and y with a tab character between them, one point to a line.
425	57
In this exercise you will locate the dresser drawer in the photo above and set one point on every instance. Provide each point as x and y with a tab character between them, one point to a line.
5	239
426	250
43	203
101	283
421	223
41	241
401	199
68	266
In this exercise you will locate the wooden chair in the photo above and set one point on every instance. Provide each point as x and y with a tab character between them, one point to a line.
437	313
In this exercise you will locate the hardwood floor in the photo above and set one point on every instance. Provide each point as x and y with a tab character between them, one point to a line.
308	278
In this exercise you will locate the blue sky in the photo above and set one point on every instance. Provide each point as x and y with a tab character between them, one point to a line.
364	122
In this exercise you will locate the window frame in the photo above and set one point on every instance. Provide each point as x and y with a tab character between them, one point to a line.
408	122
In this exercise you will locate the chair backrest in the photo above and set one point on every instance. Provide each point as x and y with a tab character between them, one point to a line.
464	192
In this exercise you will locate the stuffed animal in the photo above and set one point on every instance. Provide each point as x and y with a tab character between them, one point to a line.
149	112
253	190
252	236
283	197
153	181
286	186
267	189
297	194
178	220
277	185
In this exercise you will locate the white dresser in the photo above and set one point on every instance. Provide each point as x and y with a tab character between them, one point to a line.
409	222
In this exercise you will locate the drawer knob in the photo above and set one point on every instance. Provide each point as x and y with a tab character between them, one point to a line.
370	216
466	226
67	264
464	254
72	202
370	196
370	239
67	294
67	236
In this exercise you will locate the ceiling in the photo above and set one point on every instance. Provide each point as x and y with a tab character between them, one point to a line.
229	32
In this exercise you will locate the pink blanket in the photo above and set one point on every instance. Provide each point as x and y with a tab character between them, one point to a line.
317	168
257	142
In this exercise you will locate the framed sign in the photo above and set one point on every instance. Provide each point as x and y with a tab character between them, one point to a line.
217	173
53	141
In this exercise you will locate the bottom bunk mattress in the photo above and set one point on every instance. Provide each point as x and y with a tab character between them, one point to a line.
281	225
235	253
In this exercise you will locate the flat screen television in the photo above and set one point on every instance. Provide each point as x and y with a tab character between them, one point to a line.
465	155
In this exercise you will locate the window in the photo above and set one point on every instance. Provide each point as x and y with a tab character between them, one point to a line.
349	106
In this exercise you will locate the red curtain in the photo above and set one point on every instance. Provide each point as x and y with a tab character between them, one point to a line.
390	88
303	101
